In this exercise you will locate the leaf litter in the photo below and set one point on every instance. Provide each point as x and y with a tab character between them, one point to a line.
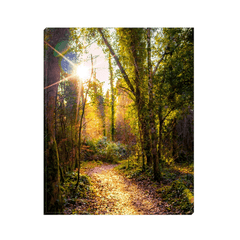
113	194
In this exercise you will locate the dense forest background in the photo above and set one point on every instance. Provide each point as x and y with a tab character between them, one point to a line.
147	111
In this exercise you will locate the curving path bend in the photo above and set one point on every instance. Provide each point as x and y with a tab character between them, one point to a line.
117	195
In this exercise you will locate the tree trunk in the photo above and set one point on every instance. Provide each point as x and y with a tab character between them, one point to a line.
174	139
160	134
142	147
157	173
72	145
144	128
80	126
112	98
52	195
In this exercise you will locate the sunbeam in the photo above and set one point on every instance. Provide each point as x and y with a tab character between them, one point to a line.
59	81
60	53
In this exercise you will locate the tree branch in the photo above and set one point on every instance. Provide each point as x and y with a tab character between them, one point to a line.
173	108
165	53
168	113
128	91
117	61
155	69
125	89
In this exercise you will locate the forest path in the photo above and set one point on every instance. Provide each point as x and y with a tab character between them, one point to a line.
117	195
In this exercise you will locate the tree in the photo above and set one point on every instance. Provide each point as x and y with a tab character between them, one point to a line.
112	97
133	47
98	102
155	156
174	81
126	128
52	195
81	124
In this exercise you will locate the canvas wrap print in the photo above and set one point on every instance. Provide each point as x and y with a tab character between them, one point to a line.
118	121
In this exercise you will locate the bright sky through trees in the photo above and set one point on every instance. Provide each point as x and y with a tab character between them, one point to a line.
83	72
100	64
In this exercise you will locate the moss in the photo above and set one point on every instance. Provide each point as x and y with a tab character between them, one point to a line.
179	196
189	195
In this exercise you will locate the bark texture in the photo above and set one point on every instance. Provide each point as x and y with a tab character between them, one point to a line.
52	195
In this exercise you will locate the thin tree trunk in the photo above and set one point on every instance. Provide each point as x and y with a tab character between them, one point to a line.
72	144
142	147
174	139
147	141
160	134
80	127
144	130
157	173
117	61
112	98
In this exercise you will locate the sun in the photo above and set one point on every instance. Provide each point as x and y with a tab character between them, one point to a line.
82	72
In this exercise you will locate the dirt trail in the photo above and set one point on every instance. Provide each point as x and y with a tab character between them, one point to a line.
117	195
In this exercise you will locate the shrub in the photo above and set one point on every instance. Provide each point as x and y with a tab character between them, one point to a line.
105	150
179	196
92	145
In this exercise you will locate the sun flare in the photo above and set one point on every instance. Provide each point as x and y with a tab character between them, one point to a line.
82	72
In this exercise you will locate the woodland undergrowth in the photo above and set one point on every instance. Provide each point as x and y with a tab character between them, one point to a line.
175	188
176	185
96	152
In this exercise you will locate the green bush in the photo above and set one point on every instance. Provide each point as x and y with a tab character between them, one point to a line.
179	196
105	150
92	145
